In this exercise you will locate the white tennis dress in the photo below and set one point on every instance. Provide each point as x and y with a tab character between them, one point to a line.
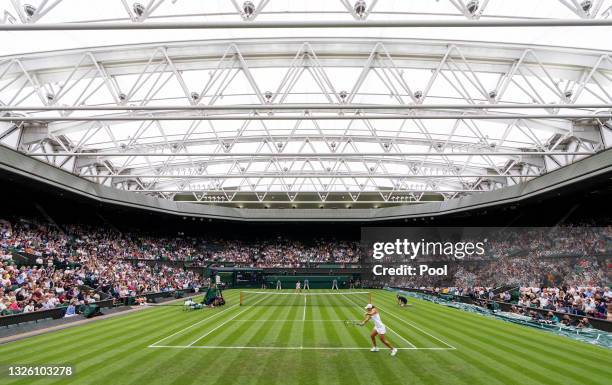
378	325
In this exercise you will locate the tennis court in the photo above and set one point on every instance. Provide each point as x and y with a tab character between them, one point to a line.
314	320
258	344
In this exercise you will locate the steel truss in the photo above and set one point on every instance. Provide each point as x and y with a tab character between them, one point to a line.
397	118
31	12
305	25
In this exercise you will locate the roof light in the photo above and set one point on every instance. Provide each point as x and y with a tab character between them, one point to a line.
248	8
586	5
473	6
29	10
138	9
360	8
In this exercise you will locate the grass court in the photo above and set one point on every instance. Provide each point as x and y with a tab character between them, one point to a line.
291	339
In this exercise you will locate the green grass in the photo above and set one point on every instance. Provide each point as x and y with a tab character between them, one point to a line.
308	345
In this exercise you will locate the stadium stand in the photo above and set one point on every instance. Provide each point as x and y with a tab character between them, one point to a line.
564	269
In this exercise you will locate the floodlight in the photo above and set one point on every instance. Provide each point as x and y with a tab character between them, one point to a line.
472	6
138	9
29	10
360	8
586	5
248	8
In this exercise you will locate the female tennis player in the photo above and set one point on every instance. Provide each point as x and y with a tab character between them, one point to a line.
379	328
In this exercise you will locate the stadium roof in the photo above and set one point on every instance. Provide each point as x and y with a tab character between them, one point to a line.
235	113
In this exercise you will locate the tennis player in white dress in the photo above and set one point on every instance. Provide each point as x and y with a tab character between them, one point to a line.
379	328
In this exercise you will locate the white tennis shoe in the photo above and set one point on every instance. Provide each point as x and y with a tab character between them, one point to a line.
374	349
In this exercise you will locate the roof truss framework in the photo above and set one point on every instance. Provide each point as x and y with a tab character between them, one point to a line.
33	11
329	147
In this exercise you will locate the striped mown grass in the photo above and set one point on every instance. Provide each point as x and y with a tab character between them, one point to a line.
308	344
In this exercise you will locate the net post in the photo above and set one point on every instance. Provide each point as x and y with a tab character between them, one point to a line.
241	298
369	297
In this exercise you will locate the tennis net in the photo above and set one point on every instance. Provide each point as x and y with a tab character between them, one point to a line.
271	298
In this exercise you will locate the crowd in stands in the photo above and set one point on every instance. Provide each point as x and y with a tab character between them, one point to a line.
79	264
284	253
535	242
540	242
75	267
103	241
534	271
565	270
580	301
583	302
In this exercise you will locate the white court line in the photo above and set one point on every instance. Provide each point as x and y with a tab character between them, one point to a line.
288	320
393	331
400	336
281	347
224	322
189	327
421	330
304	315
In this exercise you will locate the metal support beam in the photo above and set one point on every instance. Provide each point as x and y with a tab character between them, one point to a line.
302	117
311	202
105	26
317	155
304	175
311	107
399	191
